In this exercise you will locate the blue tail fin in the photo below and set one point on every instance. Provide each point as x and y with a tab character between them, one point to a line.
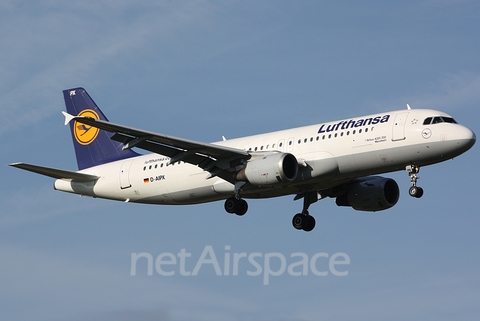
92	146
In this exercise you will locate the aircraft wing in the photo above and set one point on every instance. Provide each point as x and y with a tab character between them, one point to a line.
56	173
217	160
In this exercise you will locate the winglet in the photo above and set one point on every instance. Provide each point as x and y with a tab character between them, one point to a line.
68	117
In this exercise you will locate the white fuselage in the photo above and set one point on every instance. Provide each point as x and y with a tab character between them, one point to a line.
329	153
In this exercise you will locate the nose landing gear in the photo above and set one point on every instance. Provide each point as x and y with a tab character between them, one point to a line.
414	191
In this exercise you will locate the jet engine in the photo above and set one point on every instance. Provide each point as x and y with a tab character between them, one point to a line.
374	194
270	169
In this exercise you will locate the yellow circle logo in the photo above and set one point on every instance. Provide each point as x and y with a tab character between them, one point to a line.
85	134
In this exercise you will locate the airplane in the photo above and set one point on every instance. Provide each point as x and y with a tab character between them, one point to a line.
338	159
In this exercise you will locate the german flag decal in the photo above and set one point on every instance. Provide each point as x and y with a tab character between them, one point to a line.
146	180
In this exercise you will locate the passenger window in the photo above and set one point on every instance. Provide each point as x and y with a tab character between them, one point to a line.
427	121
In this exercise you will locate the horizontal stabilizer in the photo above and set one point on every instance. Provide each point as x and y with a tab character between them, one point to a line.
56	173
68	117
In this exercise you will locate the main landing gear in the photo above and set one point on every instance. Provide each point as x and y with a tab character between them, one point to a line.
304	221
301	221
414	191
235	204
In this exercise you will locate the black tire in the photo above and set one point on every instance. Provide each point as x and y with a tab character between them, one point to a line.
413	191
231	205
241	207
298	221
309	223
419	192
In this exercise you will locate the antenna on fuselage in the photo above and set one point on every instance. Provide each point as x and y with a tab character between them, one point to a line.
408	107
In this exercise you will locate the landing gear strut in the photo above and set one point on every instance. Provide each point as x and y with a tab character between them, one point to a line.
414	190
304	221
235	204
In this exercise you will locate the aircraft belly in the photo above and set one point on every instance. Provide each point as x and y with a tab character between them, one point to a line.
372	162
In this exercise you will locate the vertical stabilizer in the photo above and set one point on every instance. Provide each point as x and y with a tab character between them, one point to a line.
92	146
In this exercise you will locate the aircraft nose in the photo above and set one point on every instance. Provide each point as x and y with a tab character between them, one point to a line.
466	137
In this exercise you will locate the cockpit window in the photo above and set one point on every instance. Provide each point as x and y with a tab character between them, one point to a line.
449	120
439	119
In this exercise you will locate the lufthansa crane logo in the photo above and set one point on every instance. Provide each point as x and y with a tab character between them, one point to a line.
85	134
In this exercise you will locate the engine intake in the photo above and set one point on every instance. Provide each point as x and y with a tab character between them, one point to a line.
270	169
371	195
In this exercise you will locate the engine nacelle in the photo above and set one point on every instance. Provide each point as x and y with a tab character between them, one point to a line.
371	195
270	169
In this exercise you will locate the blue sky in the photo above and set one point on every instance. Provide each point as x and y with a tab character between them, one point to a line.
200	70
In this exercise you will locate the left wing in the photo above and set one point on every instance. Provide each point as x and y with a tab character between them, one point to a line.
218	160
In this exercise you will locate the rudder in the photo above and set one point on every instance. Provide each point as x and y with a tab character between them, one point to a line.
92	146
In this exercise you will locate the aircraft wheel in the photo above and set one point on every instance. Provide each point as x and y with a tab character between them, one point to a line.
415	191
241	207
419	192
230	205
309	223
298	221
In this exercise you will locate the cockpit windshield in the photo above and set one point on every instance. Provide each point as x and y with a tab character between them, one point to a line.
439	119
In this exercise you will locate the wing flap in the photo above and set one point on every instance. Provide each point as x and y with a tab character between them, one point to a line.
56	173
